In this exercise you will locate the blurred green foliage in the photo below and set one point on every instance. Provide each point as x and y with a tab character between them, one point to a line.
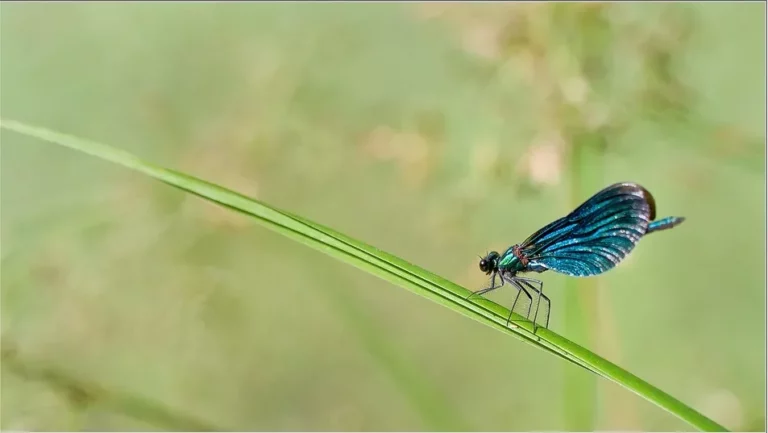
433	131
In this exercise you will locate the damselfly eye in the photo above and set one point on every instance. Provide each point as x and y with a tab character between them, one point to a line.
484	265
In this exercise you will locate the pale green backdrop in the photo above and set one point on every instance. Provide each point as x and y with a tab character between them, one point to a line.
434	131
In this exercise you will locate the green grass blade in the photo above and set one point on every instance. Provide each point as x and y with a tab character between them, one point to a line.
580	293
383	265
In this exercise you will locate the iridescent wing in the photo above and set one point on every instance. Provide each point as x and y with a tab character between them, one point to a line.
596	236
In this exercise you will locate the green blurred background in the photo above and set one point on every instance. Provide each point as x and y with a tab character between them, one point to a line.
434	131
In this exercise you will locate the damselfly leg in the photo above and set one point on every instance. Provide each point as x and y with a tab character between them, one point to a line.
519	283
519	288
529	282
487	289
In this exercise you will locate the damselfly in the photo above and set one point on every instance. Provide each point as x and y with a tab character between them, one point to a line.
589	241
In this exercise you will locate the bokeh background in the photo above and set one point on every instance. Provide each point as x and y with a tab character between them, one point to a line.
434	131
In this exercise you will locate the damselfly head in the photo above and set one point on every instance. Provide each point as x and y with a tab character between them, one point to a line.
488	263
